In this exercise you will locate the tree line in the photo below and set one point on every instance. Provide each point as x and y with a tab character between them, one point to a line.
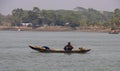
79	17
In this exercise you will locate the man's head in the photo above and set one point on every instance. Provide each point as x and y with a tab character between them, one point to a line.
69	43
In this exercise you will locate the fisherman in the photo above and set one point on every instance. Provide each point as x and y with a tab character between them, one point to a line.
68	47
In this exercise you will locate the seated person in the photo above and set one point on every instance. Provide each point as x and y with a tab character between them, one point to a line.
68	47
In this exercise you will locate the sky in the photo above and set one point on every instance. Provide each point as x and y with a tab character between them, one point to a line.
6	6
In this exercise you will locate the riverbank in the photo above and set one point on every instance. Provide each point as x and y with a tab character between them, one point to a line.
55	28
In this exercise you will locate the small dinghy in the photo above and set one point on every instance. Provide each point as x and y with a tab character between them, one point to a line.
51	50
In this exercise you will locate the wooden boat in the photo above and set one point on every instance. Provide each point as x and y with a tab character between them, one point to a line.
41	49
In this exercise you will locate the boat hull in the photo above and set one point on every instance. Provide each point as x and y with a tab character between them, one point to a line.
40	49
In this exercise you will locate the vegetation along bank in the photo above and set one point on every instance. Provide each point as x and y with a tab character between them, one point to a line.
61	20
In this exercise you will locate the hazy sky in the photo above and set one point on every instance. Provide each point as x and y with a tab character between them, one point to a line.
6	6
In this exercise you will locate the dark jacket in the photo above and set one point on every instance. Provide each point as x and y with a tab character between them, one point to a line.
68	47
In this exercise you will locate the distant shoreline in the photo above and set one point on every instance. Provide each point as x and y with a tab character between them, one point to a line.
54	28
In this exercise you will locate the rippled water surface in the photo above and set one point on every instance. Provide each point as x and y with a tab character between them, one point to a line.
15	55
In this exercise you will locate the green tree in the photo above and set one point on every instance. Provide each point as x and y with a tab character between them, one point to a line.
1	19
116	18
17	16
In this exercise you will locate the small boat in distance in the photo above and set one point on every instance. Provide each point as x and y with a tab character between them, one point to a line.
114	31
51	50
111	32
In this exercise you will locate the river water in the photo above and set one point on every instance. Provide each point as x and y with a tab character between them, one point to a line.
15	55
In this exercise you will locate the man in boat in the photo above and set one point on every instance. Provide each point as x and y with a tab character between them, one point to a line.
68	47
